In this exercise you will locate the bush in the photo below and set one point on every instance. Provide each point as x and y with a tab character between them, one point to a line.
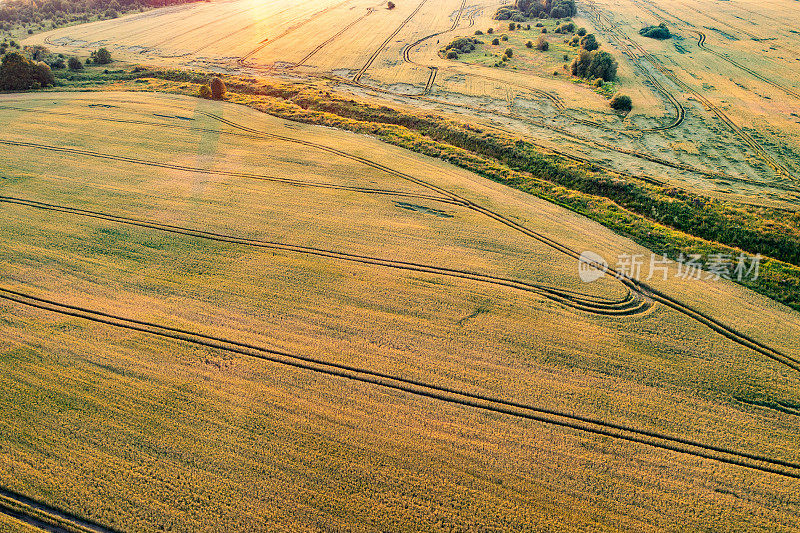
101	56
589	42
593	65
478	32
567	27
512	26
509	52
205	91
18	73
598	82
542	44
390	5
581	31
544	30
58	64
659	32
452	54
504	37
495	41
74	63
529	44
621	102
490	31
217	89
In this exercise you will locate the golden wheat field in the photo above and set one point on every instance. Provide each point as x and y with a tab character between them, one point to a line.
715	108
217	320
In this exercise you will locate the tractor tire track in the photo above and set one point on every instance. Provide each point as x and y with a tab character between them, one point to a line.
334	37
701	42
385	43
420	388
45	517
259	177
780	170
241	61
631	304
563	131
635	285
622	41
640	287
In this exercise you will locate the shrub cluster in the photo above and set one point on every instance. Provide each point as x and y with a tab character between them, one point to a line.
594	64
462	45
660	32
523	10
18	73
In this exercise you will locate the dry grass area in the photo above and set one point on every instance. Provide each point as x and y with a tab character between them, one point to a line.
715	107
145	433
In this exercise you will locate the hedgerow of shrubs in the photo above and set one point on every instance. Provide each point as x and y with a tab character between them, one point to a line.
462	45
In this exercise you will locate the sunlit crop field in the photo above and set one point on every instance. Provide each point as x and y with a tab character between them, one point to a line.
265	253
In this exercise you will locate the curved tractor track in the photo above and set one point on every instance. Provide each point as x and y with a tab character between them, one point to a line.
441	194
622	41
45	517
420	388
780	170
385	43
631	304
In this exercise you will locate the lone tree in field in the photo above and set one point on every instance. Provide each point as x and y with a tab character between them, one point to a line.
621	102
18	73
542	44
390	5
217	89
101	56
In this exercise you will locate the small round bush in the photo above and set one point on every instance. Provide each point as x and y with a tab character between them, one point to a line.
495	41
504	38
490	31
544	30
478	32
621	102
598	82
529	44
205	91
509	52
452	54
581	31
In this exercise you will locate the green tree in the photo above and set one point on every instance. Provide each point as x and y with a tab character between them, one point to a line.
18	73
